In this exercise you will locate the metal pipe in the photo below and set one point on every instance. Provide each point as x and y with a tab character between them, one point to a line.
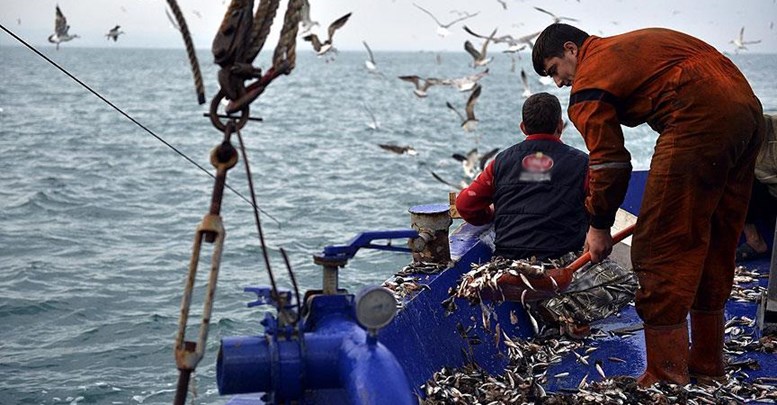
336	355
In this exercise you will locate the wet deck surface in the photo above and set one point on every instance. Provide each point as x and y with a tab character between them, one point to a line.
631	347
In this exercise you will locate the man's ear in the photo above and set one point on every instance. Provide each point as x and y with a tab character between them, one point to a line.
560	127
523	128
571	46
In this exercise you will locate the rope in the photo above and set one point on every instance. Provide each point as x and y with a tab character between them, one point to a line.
133	120
287	43
265	255
265	14
187	39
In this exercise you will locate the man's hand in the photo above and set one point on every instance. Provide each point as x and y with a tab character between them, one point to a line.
599	243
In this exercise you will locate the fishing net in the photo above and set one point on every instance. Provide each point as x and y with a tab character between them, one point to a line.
595	292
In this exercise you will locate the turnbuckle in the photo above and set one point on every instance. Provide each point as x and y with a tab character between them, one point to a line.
187	353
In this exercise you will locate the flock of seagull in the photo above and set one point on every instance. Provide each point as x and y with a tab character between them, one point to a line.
473	162
62	30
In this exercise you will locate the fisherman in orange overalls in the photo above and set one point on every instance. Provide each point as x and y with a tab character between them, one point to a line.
710	127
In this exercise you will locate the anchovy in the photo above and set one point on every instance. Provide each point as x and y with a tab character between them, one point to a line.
599	369
526	281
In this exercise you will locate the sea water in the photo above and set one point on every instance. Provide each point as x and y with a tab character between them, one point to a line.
98	215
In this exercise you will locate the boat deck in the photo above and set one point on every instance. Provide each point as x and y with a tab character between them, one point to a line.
429	335
619	344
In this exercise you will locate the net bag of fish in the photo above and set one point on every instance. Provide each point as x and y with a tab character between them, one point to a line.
595	292
561	299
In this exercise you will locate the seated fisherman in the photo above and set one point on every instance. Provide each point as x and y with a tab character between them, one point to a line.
534	191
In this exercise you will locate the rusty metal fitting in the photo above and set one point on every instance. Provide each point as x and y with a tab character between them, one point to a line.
214	115
432	222
224	156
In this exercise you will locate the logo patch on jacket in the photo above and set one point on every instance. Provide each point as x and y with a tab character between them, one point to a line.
536	167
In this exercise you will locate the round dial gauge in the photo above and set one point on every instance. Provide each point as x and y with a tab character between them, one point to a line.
375	307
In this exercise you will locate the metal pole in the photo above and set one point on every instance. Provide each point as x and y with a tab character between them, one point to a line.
767	310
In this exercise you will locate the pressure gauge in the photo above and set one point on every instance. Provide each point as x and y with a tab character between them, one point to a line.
375	307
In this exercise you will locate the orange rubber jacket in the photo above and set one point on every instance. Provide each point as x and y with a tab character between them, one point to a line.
639	77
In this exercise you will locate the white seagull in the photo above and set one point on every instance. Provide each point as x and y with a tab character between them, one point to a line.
480	58
474	163
442	29
373	124
465	83
739	42
60	30
307	23
526	89
513	44
323	48
114	33
556	19
370	63
469	122
421	85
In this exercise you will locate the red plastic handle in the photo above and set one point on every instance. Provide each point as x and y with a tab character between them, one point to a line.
586	257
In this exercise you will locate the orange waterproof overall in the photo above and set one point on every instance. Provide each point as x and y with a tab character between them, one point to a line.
710	127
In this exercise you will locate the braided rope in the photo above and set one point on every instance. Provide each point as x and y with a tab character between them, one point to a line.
187	39
263	18
286	50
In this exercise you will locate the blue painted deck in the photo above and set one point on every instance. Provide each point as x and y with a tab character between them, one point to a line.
424	339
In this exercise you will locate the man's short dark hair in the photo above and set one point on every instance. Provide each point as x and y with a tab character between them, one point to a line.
541	114
551	42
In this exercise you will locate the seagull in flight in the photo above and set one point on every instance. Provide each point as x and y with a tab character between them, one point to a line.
114	33
461	186
421	85
473	162
480	58
325	47
556	19
370	63
307	23
739	42
373	124
399	150
61	30
442	29
465	83
172	20
469	122
526	89
513	44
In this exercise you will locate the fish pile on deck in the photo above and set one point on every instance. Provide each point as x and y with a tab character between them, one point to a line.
743	291
524	379
483	277
404	286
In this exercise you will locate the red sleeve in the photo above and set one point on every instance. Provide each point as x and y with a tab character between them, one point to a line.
474	202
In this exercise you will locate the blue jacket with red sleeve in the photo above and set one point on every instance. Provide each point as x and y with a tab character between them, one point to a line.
537	188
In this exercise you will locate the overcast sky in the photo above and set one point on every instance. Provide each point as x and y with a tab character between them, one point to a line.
397	24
